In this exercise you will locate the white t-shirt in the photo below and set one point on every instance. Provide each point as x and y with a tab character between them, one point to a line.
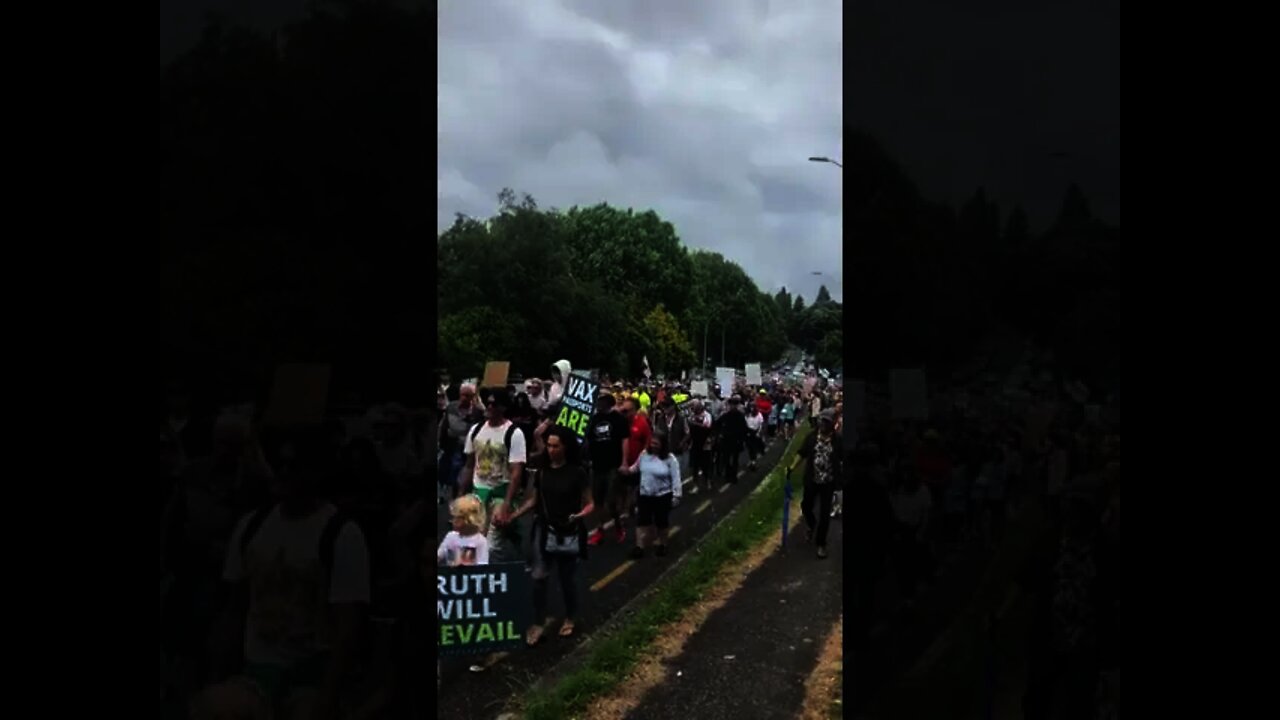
469	550
289	593
754	422
493	460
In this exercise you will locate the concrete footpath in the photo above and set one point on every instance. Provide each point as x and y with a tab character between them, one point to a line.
751	658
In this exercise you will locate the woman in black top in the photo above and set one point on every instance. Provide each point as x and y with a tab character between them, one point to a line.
560	498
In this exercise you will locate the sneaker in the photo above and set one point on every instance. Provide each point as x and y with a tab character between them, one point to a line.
660	551
637	553
596	537
822	553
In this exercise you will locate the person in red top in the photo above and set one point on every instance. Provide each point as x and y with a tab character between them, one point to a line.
764	403
636	443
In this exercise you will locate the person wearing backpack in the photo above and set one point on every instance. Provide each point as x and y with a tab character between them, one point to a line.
496	455
299	579
823	453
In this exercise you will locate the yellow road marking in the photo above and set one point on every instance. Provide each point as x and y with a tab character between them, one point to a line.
617	572
705	504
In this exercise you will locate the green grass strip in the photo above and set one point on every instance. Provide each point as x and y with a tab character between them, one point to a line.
614	656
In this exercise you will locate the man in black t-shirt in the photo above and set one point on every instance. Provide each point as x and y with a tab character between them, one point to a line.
605	436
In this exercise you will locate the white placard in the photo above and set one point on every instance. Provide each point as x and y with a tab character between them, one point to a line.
698	388
753	374
725	377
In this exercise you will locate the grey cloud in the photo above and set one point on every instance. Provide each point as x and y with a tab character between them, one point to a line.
705	112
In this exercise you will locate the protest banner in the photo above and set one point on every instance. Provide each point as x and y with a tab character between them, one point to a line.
725	377
482	609
579	403
299	395
495	374
698	388
753	374
909	395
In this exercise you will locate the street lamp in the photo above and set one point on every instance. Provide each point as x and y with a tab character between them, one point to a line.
826	160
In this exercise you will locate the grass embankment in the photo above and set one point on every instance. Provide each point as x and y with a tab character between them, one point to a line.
613	657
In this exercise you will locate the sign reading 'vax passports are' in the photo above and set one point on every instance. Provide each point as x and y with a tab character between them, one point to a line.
482	609
579	403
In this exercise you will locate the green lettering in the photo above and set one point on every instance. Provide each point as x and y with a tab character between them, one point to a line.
446	634
511	630
574	416
465	633
564	416
486	633
582	426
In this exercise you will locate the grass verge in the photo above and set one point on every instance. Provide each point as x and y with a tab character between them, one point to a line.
613	657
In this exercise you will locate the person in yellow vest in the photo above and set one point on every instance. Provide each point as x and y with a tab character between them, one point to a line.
645	400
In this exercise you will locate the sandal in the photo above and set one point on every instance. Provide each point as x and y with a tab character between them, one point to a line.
534	635
566	630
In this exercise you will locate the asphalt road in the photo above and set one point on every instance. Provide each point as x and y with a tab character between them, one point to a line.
607	581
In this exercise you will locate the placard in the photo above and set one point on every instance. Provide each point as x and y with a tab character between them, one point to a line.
753	374
725	378
910	397
299	395
578	403
495	374
698	388
482	609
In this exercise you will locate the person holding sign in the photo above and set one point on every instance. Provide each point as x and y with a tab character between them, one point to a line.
496	455
561	498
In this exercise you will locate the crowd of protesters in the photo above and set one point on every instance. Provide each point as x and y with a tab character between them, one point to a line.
549	495
926	489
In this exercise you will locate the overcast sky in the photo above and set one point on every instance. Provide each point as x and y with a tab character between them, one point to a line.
703	111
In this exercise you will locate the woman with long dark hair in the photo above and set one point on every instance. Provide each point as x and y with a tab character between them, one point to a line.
560	497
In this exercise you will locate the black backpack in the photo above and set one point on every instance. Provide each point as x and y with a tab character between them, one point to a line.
328	537
506	438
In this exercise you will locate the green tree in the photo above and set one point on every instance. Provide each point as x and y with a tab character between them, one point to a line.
667	346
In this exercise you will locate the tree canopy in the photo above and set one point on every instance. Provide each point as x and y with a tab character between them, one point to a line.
604	287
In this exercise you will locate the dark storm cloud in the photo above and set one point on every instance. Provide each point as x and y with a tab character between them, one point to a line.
706	112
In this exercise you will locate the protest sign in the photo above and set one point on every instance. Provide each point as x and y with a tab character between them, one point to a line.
579	403
299	395
495	374
725	378
482	609
909	395
753	374
698	388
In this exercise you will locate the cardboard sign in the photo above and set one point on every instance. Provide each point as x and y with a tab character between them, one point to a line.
482	609
495	374
299	395
753	374
909	395
725	378
698	388
579	403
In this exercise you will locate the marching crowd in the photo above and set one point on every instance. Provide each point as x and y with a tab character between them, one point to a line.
523	489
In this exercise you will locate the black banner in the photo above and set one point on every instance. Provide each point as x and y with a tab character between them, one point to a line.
482	609
579	403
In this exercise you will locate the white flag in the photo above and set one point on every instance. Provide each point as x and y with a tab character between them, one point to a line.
646	366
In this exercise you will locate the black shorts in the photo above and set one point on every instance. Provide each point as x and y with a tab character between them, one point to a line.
654	511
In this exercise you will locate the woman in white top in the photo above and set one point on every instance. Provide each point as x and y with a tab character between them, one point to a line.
660	491
755	434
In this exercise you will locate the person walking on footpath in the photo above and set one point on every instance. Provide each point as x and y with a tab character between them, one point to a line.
496	455
733	435
609	430
700	447
823	454
755	435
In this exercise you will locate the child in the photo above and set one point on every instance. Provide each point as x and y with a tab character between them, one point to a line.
465	544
